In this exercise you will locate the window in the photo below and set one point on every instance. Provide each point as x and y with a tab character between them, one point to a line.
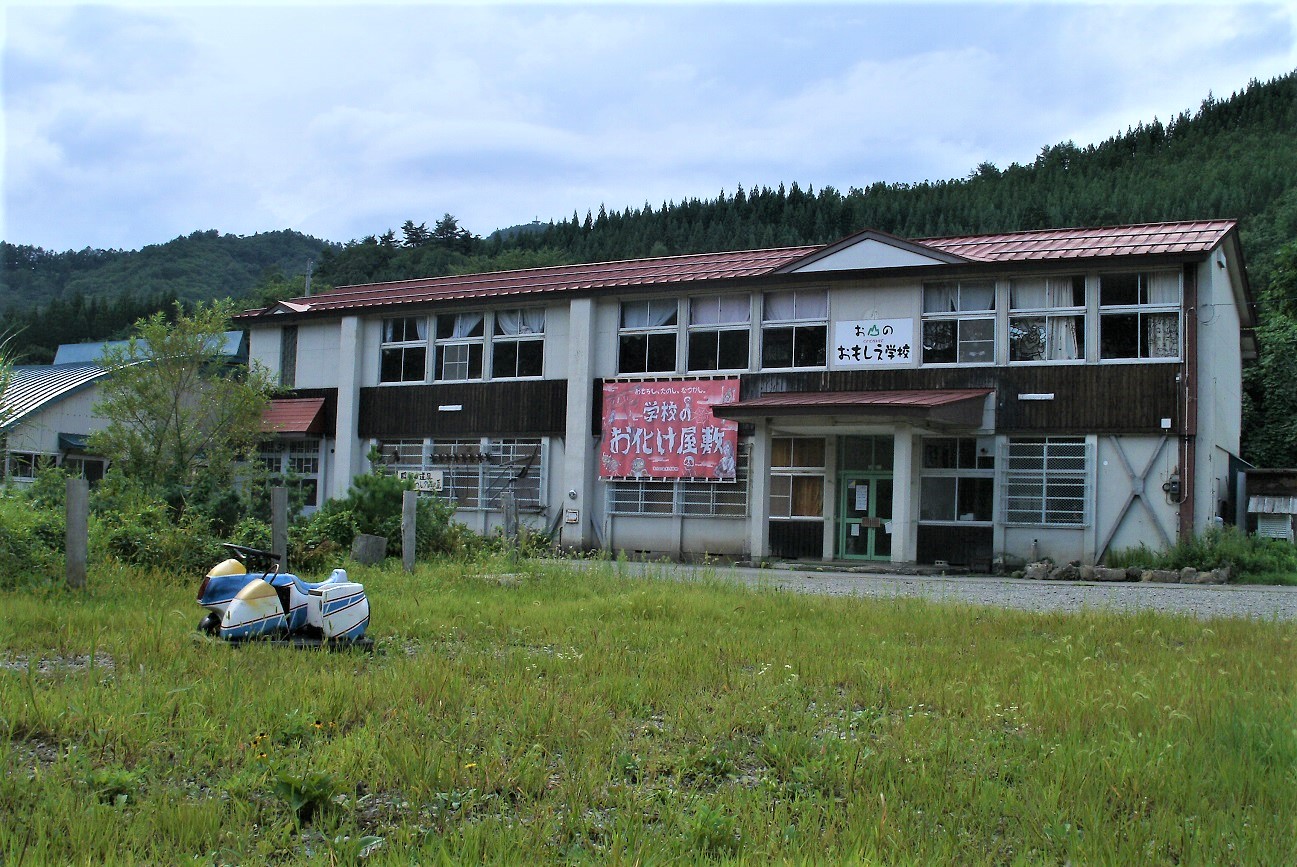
1047	319
1139	315
1047	482
405	350
646	342
459	347
518	343
719	327
475	472
796	477
294	464
24	466
514	464
795	328
288	357
957	480
959	322
684	497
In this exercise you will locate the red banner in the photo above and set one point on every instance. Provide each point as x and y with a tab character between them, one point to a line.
666	430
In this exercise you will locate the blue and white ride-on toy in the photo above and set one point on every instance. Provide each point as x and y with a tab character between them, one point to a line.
248	599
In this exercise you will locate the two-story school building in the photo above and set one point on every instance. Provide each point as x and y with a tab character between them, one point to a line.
1057	393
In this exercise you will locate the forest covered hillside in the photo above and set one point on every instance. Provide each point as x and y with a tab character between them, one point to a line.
1230	158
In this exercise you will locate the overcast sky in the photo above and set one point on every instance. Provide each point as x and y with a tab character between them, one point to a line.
133	123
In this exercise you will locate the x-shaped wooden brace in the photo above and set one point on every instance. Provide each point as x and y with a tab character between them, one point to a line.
1137	492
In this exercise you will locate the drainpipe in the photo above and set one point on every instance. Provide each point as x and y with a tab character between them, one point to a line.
1189	384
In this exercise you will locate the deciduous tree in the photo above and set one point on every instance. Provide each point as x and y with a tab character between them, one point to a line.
177	408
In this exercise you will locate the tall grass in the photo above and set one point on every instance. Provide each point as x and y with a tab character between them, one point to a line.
1251	559
549	715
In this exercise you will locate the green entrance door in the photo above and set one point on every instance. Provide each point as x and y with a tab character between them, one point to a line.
864	516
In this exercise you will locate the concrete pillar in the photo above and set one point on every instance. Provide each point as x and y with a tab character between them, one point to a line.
409	518
77	536
904	502
830	509
578	446
348	451
279	524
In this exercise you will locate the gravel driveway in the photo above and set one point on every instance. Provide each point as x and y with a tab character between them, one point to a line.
1205	601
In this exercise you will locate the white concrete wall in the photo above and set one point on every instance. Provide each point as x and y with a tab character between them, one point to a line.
39	432
1220	386
318	354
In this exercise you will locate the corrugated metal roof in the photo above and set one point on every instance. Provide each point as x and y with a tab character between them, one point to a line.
89	353
1272	505
1046	245
555	279
300	415
33	387
1081	243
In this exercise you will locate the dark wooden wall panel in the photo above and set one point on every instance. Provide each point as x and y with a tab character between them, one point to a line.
1107	398
519	408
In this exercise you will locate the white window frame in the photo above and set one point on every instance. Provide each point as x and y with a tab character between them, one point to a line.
686	497
783	479
1034	491
475	470
645	325
396	338
708	316
808	312
960	313
1052	319
1143	310
34	461
982	468
462	346
530	331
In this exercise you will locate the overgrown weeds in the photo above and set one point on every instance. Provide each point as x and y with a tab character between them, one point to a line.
576	716
1250	559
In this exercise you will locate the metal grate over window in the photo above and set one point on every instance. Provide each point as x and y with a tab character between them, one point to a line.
695	499
1048	482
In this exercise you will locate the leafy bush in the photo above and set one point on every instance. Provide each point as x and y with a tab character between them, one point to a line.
1249	558
31	541
131	525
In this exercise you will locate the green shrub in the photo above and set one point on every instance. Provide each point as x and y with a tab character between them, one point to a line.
1249	558
31	541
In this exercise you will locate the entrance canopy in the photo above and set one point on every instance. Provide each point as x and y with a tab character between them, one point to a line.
938	408
303	416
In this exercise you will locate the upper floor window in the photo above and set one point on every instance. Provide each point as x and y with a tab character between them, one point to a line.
405	349
959	322
1139	315
795	328
518	344
1047	319
288	357
459	341
646	341
719	328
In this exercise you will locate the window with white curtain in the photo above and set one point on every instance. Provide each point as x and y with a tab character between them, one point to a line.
795	328
719	329
1139	315
459	341
404	352
959	322
1047	319
518	343
646	339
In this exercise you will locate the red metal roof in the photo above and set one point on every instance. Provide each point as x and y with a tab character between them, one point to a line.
914	398
1047	244
299	415
1044	245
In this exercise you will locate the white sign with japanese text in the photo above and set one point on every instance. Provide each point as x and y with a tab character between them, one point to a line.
872	343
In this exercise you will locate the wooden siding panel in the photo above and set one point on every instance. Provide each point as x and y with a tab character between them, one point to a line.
1094	398
488	409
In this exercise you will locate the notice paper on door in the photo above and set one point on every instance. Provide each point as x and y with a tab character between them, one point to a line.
862	498
855	529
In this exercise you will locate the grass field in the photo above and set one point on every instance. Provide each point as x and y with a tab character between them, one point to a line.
535	713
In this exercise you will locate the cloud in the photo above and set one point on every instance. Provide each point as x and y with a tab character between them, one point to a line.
130	126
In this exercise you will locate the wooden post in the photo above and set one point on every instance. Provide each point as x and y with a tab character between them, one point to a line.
279	525
409	517
78	532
